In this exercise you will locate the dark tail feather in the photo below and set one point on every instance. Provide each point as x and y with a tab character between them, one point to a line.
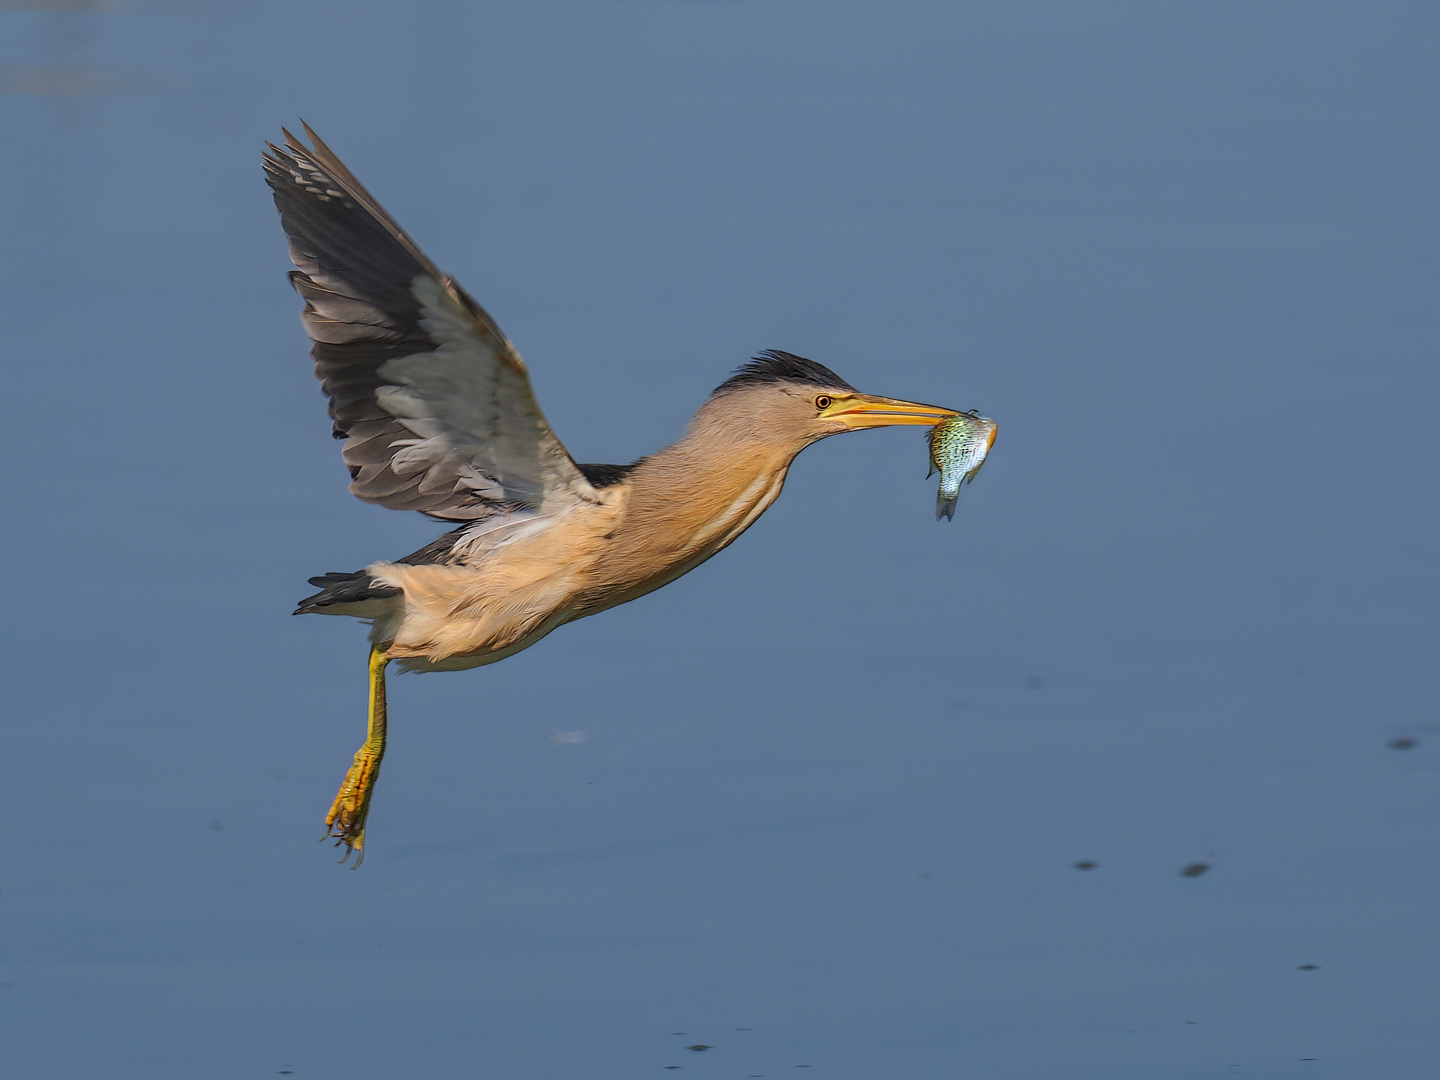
340	588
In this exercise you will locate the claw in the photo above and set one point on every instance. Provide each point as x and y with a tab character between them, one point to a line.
346	819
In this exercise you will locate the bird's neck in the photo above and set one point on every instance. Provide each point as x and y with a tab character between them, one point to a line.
688	502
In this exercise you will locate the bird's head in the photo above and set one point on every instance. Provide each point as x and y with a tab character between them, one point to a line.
782	398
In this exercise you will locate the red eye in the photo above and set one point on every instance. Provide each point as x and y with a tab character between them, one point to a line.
823	402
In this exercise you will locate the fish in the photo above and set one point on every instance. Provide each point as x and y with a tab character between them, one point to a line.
958	445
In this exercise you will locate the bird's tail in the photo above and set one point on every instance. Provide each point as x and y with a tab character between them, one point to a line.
339	590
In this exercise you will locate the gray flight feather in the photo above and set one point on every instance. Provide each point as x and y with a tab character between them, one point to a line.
434	404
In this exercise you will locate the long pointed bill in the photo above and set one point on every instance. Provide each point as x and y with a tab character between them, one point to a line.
858	411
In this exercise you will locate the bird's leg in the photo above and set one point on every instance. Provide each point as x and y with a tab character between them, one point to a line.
346	820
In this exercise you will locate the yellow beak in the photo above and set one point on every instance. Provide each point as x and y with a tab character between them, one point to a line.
858	411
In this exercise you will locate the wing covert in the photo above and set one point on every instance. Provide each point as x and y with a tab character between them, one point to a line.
434	404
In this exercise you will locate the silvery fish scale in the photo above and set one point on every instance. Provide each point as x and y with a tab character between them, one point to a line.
958	447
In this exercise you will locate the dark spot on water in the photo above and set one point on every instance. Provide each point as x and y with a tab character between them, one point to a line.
1309	1059
1195	869
1308	967
1086	864
1034	682
677	1033
698	1047
1404	742
742	1029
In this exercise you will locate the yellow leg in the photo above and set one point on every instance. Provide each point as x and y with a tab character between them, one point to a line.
346	820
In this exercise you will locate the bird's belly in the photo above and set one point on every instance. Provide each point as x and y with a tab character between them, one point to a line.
456	616
465	661
461	616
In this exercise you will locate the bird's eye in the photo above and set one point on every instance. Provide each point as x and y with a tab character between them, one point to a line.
824	402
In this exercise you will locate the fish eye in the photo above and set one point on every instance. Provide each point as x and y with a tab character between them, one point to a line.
824	401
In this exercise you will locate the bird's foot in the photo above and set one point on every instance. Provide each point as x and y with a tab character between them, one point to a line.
346	819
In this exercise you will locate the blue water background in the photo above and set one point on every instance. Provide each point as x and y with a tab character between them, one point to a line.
833	784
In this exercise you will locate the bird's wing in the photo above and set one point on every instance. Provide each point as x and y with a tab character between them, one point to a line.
434	404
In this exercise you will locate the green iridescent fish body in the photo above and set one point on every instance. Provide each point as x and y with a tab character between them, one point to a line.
958	446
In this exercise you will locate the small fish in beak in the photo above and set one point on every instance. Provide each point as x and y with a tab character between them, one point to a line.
958	446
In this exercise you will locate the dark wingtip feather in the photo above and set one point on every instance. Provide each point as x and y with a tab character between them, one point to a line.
297	158
774	366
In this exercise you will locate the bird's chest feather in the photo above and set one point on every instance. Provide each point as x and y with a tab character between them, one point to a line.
669	530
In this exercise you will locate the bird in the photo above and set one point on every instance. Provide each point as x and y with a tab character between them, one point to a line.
434	408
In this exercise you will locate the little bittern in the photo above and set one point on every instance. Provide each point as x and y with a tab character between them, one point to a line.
436	413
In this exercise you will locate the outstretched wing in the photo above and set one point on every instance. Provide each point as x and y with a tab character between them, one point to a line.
434	404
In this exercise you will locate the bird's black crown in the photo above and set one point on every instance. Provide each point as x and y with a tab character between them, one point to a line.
772	366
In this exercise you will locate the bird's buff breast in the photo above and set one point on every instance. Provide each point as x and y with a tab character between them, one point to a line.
662	538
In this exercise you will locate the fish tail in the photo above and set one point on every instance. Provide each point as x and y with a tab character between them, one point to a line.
945	503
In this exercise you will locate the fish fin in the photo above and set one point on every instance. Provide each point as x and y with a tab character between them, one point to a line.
945	507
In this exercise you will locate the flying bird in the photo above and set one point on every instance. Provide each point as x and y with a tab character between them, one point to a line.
436	415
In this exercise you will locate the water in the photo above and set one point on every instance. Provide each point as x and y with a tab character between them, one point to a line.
795	807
